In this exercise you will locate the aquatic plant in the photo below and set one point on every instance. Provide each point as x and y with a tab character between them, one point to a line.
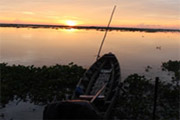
172	66
136	99
38	84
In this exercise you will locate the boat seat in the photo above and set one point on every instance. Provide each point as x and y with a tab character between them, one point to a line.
88	97
106	71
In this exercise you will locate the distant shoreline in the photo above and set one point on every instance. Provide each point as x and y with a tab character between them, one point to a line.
101	28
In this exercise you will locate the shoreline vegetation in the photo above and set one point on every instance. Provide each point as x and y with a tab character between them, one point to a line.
40	85
99	28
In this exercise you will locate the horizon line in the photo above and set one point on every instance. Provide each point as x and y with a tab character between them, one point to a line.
19	25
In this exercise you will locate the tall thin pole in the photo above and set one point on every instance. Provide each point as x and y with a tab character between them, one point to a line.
155	98
105	34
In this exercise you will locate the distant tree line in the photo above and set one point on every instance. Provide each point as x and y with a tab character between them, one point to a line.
101	28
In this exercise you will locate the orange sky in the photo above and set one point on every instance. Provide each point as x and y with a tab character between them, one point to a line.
136	13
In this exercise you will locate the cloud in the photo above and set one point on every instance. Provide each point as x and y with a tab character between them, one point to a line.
28	13
94	12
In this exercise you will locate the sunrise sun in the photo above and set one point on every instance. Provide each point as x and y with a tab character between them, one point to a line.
71	23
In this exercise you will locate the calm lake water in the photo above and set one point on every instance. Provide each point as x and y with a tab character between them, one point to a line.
134	50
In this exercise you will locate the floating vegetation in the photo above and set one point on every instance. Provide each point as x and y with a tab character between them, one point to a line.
148	68
40	85
136	99
172	66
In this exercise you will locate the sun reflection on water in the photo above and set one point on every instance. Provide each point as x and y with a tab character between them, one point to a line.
69	30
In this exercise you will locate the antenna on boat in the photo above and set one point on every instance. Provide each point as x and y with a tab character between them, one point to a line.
105	34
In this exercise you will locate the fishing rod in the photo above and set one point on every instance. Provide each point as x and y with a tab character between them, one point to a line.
105	34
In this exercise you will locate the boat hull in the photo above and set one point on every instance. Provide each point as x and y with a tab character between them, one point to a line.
105	72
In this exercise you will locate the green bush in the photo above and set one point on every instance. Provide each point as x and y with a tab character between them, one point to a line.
38	84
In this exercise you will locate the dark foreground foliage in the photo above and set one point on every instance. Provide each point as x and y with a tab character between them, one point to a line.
41	84
137	99
137	96
38	84
172	66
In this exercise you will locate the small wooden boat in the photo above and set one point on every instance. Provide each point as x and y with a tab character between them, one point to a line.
100	84
95	94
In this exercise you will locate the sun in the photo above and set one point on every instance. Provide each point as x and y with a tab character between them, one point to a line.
71	22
